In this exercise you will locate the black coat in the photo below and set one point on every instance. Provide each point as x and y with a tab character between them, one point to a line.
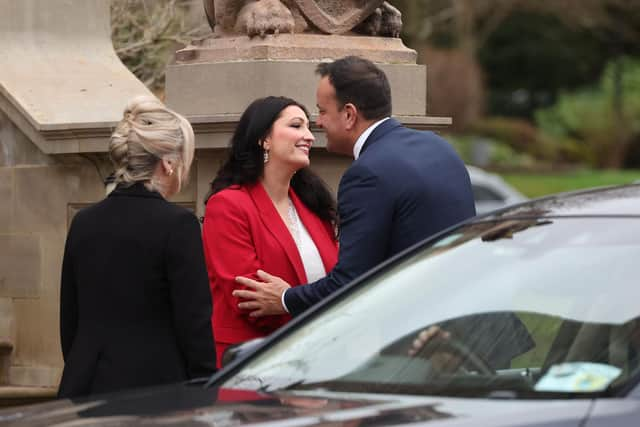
135	306
405	186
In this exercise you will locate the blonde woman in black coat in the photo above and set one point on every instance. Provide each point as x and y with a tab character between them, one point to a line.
135	306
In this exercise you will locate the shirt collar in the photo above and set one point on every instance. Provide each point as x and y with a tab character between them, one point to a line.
357	148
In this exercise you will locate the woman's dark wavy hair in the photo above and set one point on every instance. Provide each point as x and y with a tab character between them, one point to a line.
245	162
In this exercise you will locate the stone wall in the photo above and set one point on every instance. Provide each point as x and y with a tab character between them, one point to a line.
62	88
38	193
16	148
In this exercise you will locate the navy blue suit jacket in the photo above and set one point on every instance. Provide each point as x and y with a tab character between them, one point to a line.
405	186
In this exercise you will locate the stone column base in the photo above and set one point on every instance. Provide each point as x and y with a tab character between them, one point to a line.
217	88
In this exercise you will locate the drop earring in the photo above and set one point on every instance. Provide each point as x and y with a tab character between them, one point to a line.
266	156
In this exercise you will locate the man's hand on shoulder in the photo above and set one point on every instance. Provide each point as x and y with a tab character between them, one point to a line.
266	297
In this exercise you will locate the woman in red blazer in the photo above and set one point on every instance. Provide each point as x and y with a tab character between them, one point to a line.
266	210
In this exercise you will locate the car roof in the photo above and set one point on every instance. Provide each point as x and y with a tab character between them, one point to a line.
604	201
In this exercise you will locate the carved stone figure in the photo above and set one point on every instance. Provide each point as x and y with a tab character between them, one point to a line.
261	17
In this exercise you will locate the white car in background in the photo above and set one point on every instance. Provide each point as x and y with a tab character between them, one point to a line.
491	192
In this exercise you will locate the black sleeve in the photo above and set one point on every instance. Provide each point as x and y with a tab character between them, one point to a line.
68	301
190	295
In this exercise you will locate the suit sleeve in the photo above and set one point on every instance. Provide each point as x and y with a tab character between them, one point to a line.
191	300
68	301
231	252
365	221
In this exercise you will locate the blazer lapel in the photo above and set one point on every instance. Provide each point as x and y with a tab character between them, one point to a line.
377	134
273	222
317	229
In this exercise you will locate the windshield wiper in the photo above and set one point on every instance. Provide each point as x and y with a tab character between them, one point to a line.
442	389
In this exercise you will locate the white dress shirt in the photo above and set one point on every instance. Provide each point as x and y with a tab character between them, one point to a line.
357	148
311	259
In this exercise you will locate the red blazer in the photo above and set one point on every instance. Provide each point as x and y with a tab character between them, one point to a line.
242	233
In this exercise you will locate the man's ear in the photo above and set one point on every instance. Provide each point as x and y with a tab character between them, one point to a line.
351	115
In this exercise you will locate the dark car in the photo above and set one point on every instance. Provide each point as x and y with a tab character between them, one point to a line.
528	316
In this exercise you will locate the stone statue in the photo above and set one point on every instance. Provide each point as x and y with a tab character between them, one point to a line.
261	17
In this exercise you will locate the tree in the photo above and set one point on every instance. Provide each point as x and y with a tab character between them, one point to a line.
584	122
532	57
146	33
467	24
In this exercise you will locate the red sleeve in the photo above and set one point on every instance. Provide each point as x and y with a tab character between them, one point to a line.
230	250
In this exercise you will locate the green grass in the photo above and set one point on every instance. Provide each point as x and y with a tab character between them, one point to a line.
536	185
543	330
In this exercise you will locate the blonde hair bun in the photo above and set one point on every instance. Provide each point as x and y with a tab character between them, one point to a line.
147	133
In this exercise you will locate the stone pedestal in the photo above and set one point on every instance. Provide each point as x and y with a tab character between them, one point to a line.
219	88
219	77
214	80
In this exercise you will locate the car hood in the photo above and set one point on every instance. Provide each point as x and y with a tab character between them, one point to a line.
195	406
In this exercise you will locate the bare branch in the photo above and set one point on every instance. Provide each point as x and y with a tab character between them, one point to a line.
145	34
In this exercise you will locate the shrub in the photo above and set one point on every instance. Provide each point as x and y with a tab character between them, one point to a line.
586	124
497	155
518	134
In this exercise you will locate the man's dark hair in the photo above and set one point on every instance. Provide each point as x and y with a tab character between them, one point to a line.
359	82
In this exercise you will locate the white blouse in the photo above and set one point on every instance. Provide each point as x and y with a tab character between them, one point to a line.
313	266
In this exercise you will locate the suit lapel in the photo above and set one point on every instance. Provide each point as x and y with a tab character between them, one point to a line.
318	232
380	131
273	222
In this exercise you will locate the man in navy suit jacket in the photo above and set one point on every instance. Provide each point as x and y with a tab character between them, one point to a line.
403	186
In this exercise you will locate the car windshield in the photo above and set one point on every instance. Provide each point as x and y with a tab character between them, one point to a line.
523	307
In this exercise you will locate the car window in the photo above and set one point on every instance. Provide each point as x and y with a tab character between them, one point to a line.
532	306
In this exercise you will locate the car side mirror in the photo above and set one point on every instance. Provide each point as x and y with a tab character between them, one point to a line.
236	351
